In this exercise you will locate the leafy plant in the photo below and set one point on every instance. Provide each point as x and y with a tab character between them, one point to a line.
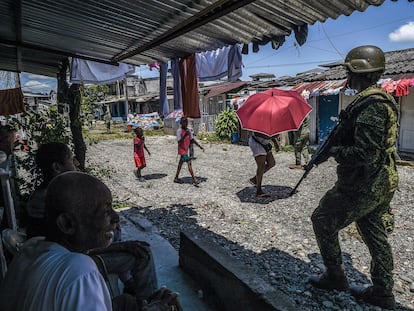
47	126
226	124
39	127
91	96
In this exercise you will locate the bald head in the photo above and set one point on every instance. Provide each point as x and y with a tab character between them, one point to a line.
72	191
79	211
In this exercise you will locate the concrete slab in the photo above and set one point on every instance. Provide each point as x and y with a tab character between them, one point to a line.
227	282
135	227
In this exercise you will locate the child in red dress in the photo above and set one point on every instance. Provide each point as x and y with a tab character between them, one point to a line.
139	156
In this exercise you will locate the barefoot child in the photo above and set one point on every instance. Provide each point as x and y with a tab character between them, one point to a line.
184	138
139	157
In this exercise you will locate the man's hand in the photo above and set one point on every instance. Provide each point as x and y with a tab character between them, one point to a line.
162	300
139	249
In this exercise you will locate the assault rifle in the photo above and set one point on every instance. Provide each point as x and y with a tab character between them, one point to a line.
321	155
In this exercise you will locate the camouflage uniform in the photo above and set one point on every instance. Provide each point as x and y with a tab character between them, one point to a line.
301	142
367	179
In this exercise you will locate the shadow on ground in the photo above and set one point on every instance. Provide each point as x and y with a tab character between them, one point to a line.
154	176
248	194
280	269
189	180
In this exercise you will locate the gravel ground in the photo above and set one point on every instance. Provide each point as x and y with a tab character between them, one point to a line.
273	236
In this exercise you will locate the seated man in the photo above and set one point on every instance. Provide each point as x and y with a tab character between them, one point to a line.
51	159
131	261
53	273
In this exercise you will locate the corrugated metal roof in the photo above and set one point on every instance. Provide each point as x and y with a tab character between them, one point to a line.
322	87
224	88
398	64
36	35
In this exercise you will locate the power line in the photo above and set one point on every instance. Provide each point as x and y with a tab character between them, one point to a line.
336	36
330	41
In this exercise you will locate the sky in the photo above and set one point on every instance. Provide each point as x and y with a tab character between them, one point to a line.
389	26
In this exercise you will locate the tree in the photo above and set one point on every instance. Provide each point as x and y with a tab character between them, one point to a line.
91	96
72	96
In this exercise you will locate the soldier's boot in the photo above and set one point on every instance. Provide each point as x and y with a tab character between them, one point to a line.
332	279
296	166
375	295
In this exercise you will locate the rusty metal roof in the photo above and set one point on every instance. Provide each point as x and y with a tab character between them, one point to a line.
223	88
398	64
322	87
36	34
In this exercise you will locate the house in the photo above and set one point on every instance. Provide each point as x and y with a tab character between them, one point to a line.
134	95
39	102
327	94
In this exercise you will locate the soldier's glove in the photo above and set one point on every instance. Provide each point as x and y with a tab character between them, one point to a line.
388	221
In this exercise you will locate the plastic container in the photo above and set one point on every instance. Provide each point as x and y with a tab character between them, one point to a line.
235	138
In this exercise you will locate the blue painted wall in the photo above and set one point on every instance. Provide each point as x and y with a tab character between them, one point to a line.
328	107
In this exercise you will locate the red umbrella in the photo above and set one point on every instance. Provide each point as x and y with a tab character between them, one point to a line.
273	111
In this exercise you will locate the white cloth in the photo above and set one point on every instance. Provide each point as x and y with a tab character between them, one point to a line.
256	148
88	72
212	65
220	63
47	277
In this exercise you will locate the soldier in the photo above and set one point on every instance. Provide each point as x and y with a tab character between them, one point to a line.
301	144
107	119
364	147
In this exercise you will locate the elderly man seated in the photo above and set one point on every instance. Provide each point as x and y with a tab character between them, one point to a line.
55	273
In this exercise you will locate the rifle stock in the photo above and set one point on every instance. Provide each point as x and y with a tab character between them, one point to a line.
321	155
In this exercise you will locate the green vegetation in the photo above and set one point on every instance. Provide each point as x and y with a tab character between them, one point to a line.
287	148
226	124
120	204
91	96
99	172
209	138
40	127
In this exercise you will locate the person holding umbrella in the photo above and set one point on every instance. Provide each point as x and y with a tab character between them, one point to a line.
267	114
261	147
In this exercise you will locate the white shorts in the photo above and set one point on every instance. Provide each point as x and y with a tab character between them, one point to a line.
257	149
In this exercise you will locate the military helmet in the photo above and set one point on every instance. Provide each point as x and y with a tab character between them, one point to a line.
366	58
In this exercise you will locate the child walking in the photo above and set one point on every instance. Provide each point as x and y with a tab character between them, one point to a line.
139	156
184	138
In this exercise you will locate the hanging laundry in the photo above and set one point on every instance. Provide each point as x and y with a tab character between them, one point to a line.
235	63
163	90
189	87
11	102
212	65
11	95
175	71
388	86
88	72
401	88
153	66
217	64
301	33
